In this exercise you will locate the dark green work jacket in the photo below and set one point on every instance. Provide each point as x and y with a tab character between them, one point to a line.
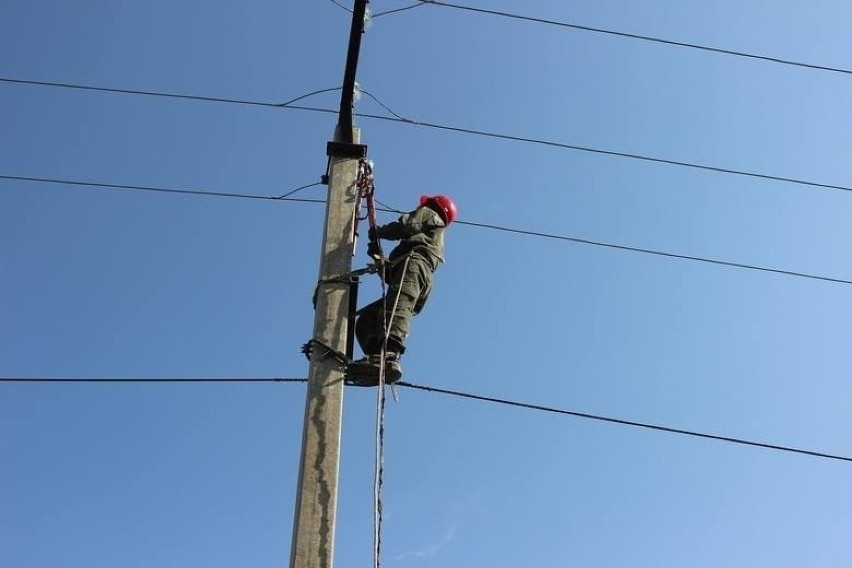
420	232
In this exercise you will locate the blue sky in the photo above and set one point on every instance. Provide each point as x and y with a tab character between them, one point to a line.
118	283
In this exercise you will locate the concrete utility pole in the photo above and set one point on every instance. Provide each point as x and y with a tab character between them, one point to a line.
316	496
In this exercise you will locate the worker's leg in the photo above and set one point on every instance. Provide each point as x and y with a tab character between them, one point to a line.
370	334
368	328
409	294
399	319
408	289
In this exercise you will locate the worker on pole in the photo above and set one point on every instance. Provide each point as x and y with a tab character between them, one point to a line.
384	324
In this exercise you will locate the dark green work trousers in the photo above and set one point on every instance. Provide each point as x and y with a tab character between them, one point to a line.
409	285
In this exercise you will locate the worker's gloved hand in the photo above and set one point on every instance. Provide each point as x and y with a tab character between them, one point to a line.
373	234
373	249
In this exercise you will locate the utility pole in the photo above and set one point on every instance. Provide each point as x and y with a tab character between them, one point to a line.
316	496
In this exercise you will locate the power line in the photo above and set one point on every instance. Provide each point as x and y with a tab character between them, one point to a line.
164	94
637	37
153	380
92	184
399	118
656	252
461	130
455	393
623	422
639	249
641	157
81	184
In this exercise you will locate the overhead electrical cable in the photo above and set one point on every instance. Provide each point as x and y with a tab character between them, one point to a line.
640	37
153	380
654	252
93	184
399	118
462	130
454	393
634	249
165	94
566	146
657	427
387	208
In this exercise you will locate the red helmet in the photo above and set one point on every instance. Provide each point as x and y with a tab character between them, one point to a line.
446	207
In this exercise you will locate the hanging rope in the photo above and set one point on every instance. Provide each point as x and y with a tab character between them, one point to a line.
379	470
365	185
380	432
380	426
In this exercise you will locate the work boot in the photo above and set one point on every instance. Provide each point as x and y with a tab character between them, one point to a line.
393	370
366	370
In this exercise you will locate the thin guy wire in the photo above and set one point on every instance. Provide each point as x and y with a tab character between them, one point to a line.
462	130
459	394
299	98
293	191
386	12
339	5
384	106
622	422
639	37
91	184
389	209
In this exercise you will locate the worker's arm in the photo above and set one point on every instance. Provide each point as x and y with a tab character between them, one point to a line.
420	220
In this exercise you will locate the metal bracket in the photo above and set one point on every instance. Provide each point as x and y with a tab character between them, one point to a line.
347	277
308	351
344	150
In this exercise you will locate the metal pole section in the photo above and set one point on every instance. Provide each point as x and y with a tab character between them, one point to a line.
316	497
357	28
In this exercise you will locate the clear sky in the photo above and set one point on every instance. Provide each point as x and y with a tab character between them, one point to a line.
98	282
